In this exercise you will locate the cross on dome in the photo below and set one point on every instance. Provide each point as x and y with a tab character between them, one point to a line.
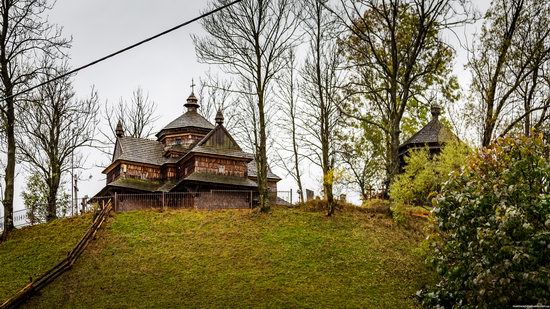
192	101
192	85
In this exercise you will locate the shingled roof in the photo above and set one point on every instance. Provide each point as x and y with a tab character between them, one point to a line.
147	151
139	150
134	184
221	152
434	133
220	179
189	119
253	171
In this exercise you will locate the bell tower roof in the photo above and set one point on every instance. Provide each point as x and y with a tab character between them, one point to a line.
189	121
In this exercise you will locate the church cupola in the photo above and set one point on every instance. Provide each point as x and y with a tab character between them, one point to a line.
192	101
119	131
436	111
219	117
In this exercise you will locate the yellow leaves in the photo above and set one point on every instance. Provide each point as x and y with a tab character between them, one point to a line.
333	175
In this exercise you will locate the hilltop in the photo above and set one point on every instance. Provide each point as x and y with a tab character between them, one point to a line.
289	258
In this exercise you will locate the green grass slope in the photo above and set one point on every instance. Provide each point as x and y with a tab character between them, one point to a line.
289	258
31	251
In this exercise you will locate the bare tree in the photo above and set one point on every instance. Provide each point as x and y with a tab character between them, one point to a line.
138	116
361	152
289	158
399	62
215	94
249	40
322	79
25	37
54	126
508	64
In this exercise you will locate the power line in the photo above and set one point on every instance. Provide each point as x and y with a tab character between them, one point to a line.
123	50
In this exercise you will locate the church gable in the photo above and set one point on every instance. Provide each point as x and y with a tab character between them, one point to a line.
221	139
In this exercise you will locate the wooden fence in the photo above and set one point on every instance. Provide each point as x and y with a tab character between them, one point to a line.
64	265
211	200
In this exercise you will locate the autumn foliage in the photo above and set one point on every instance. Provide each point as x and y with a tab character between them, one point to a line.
490	241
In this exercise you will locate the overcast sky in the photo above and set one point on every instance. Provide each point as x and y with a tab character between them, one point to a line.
163	68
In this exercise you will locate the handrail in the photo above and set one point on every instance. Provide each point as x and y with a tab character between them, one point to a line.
26	292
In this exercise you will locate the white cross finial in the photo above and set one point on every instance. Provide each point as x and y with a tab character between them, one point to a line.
193	85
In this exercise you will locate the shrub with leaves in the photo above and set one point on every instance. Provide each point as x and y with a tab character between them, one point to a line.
424	176
491	233
35	199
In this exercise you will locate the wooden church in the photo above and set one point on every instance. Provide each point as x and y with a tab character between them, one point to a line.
190	154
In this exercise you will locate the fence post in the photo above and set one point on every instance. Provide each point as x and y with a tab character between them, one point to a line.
163	205
290	196
116	202
251	202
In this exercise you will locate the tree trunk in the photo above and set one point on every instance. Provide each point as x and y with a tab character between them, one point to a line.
488	129
262	166
323	93
527	123
52	206
10	166
53	184
328	171
365	195
330	198
262	148
10	134
527	103
394	150
297	162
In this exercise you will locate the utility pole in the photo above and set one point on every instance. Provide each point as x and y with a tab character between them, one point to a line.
76	193
72	183
73	201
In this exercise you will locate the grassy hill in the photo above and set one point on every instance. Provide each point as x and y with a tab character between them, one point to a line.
31	251
289	258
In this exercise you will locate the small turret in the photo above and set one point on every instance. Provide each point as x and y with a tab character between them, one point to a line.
192	101
119	129
219	117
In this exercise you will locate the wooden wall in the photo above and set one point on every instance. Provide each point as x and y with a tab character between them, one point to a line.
169	172
113	174
186	139
140	171
272	185
187	168
219	166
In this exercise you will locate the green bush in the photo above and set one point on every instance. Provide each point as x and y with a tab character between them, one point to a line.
490	240
424	176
